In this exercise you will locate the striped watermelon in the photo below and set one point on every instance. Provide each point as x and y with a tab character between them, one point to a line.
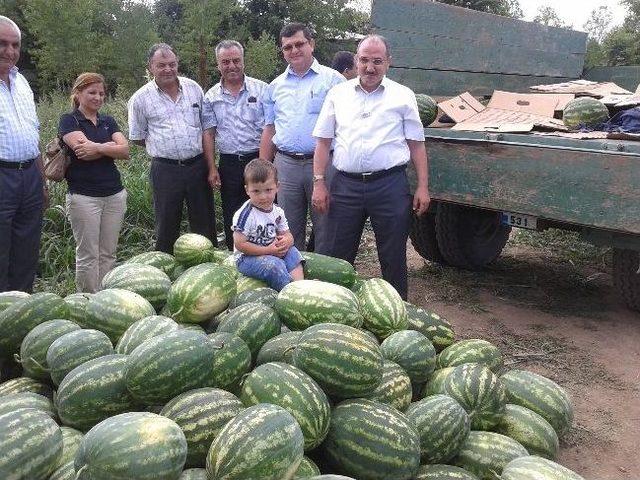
263	442
479	392
71	440
22	316
382	308
537	468
254	323
176	272
431	325
413	352
295	391
542	395
427	109
435	384
443	472
201	414
149	282
64	472
329	477
264	295
342	359
471	351
7	298
140	446
14	401
395	387
165	366
310	302
531	430
31	445
77	305
586	111
443	426
485	454
94	391
306	469
33	350
74	348
279	348
247	283
231	362
25	384
372	441
192	249
143	329
200	293
194	474
164	261
328	269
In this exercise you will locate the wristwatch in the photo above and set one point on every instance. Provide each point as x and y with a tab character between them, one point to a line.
317	177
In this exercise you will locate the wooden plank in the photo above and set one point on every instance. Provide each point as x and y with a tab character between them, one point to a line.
626	76
448	84
488	54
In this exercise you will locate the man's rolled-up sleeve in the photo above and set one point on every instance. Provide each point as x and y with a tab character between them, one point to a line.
411	123
137	121
268	106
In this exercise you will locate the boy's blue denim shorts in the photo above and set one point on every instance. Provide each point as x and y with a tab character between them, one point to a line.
269	268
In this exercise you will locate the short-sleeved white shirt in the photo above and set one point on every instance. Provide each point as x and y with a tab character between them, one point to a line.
260	227
370	130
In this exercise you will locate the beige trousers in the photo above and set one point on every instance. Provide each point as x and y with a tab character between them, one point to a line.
96	224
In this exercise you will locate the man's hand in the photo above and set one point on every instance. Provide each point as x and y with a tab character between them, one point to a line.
320	198
214	179
421	200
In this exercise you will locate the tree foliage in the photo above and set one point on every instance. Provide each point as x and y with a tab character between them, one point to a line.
547	15
262	58
507	8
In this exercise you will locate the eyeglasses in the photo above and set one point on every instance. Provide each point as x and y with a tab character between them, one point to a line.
376	61
297	45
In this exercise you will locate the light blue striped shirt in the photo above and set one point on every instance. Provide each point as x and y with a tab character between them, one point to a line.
18	120
238	120
292	104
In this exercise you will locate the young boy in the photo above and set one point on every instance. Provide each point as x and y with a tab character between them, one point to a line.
262	242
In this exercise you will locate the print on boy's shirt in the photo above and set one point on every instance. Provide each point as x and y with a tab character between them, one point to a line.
265	234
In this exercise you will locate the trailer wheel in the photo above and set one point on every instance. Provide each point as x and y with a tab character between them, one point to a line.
423	236
469	238
626	278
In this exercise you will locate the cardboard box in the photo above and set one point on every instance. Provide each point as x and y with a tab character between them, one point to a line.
584	88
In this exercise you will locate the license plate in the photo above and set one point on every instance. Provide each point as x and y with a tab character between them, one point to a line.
519	220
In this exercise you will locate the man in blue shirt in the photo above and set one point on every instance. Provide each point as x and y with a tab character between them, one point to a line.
292	103
22	188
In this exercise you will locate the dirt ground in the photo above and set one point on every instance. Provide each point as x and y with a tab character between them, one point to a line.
556	317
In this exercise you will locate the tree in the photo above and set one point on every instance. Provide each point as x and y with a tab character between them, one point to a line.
262	58
546	15
507	8
599	23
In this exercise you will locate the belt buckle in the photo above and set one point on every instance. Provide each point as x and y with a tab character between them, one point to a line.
366	175
180	162
20	165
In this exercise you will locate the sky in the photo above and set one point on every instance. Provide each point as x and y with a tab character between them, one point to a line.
574	12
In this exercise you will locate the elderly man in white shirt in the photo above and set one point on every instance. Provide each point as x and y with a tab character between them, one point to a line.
377	131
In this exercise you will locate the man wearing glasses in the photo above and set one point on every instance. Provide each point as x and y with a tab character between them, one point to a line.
375	124
292	103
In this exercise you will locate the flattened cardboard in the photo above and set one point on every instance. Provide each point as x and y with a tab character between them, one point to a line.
536	103
583	87
461	107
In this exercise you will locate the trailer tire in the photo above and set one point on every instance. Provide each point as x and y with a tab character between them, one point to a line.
626	278
469	238
423	236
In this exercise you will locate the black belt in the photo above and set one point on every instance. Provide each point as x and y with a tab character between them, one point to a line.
370	176
182	163
243	157
297	156
17	165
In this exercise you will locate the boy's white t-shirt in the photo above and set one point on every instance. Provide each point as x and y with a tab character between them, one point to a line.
260	227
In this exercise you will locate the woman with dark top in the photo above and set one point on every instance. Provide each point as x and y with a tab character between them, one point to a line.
96	201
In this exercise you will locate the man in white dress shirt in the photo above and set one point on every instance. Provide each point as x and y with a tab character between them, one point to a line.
377	131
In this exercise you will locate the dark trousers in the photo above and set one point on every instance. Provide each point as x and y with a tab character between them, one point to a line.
21	203
232	192
172	186
387	202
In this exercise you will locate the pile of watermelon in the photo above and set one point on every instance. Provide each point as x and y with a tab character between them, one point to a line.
181	368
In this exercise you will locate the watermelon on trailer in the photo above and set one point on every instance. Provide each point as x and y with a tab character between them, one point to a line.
114	310
443	472
71	440
264	295
94	391
542	395
162	260
194	474
537	468
149	282
64	472
435	384
395	387
25	384
328	269
33	350
232	360
413	351
279	348
139	445
7	298
201	414
427	109
431	325
142	330
191	249
22	316
345	361
200	293
244	284
531	430
33	448
443	426
77	304
75	348
382	307
263	442
14	401
485	454
295	391
587	111
254	323
474	350
310	302
372	441
306	469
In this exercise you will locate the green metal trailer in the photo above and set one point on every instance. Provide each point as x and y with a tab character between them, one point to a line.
483	184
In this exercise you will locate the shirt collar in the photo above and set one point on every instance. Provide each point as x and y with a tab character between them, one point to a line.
315	66
159	90
383	84
224	89
13	73
80	116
